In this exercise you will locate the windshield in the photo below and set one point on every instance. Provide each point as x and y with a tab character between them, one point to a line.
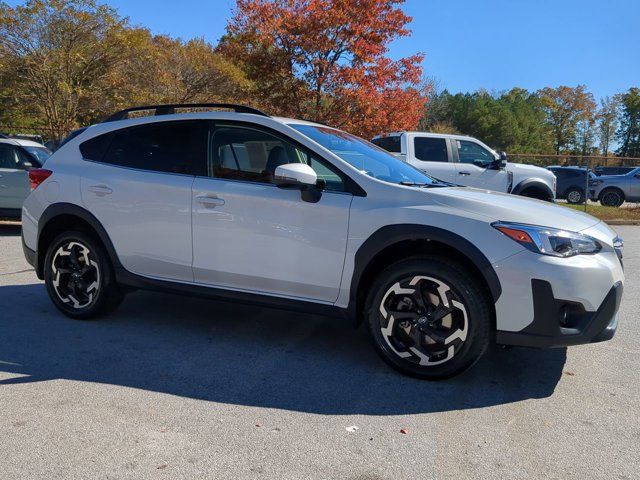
365	156
41	153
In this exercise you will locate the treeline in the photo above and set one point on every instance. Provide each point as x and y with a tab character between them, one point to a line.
549	121
67	63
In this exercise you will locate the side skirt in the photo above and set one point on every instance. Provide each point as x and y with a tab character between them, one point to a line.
128	279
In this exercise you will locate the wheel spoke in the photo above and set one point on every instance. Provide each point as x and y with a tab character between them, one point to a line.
73	256
433	334
440	312
402	314
420	300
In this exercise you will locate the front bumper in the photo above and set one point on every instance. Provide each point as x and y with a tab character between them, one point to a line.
558	323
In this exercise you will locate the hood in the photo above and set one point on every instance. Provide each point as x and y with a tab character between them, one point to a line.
512	208
529	170
610	177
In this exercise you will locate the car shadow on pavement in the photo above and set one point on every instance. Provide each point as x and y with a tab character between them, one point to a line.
243	355
10	229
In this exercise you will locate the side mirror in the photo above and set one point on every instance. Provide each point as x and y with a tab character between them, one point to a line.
301	176
295	175
500	163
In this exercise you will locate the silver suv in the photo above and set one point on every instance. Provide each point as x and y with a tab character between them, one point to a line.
17	157
614	190
238	205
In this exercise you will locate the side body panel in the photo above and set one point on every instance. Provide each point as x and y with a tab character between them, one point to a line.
147	215
261	238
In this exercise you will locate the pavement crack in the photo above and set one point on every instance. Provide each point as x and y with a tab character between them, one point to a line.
15	273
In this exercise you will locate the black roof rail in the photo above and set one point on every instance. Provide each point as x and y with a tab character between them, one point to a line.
171	108
2	135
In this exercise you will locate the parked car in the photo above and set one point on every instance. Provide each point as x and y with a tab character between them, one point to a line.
238	205
467	161
572	183
614	190
612	170
17	157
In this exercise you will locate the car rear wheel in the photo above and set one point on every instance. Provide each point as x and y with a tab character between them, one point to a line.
79	277
429	317
575	196
611	197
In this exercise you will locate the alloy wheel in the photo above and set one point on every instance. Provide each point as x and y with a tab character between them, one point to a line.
574	196
75	275
423	321
612	199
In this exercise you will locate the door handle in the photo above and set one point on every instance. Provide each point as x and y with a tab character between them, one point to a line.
100	190
464	172
210	200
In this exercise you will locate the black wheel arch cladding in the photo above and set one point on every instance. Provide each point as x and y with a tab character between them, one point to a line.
393	234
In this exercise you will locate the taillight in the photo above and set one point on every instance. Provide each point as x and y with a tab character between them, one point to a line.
37	176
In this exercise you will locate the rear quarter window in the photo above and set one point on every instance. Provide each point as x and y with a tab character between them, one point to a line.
390	144
95	148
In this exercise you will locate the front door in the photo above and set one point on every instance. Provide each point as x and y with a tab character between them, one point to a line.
250	235
474	167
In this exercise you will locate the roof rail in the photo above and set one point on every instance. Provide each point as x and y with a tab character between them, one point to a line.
171	108
2	135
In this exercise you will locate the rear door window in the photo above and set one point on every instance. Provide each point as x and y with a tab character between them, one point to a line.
171	147
430	149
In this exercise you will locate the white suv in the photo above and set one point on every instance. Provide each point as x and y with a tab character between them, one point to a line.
467	161
238	205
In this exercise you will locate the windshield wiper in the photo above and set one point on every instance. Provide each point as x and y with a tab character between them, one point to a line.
436	183
414	184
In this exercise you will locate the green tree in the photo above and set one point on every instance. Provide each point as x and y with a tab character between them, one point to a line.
566	107
513	121
55	51
608	121
628	134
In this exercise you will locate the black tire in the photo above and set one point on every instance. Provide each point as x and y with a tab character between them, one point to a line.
535	193
611	197
405	348
96	290
575	196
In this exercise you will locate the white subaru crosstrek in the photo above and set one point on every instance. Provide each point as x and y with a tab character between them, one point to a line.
241	206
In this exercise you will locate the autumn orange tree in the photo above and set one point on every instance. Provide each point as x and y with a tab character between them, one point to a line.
326	60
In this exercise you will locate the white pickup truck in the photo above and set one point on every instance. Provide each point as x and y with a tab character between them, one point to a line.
467	161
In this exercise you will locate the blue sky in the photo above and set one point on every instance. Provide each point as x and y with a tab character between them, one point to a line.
491	44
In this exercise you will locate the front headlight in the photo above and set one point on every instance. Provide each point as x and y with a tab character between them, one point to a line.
549	241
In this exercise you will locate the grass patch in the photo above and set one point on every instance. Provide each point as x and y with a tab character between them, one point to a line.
627	212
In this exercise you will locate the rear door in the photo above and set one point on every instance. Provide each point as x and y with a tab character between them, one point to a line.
250	235
474	167
14	179
433	156
138	183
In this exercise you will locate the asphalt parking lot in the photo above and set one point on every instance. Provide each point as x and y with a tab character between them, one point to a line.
175	387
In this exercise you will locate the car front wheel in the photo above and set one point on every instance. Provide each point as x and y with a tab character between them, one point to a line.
79	277
429	317
575	196
611	197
